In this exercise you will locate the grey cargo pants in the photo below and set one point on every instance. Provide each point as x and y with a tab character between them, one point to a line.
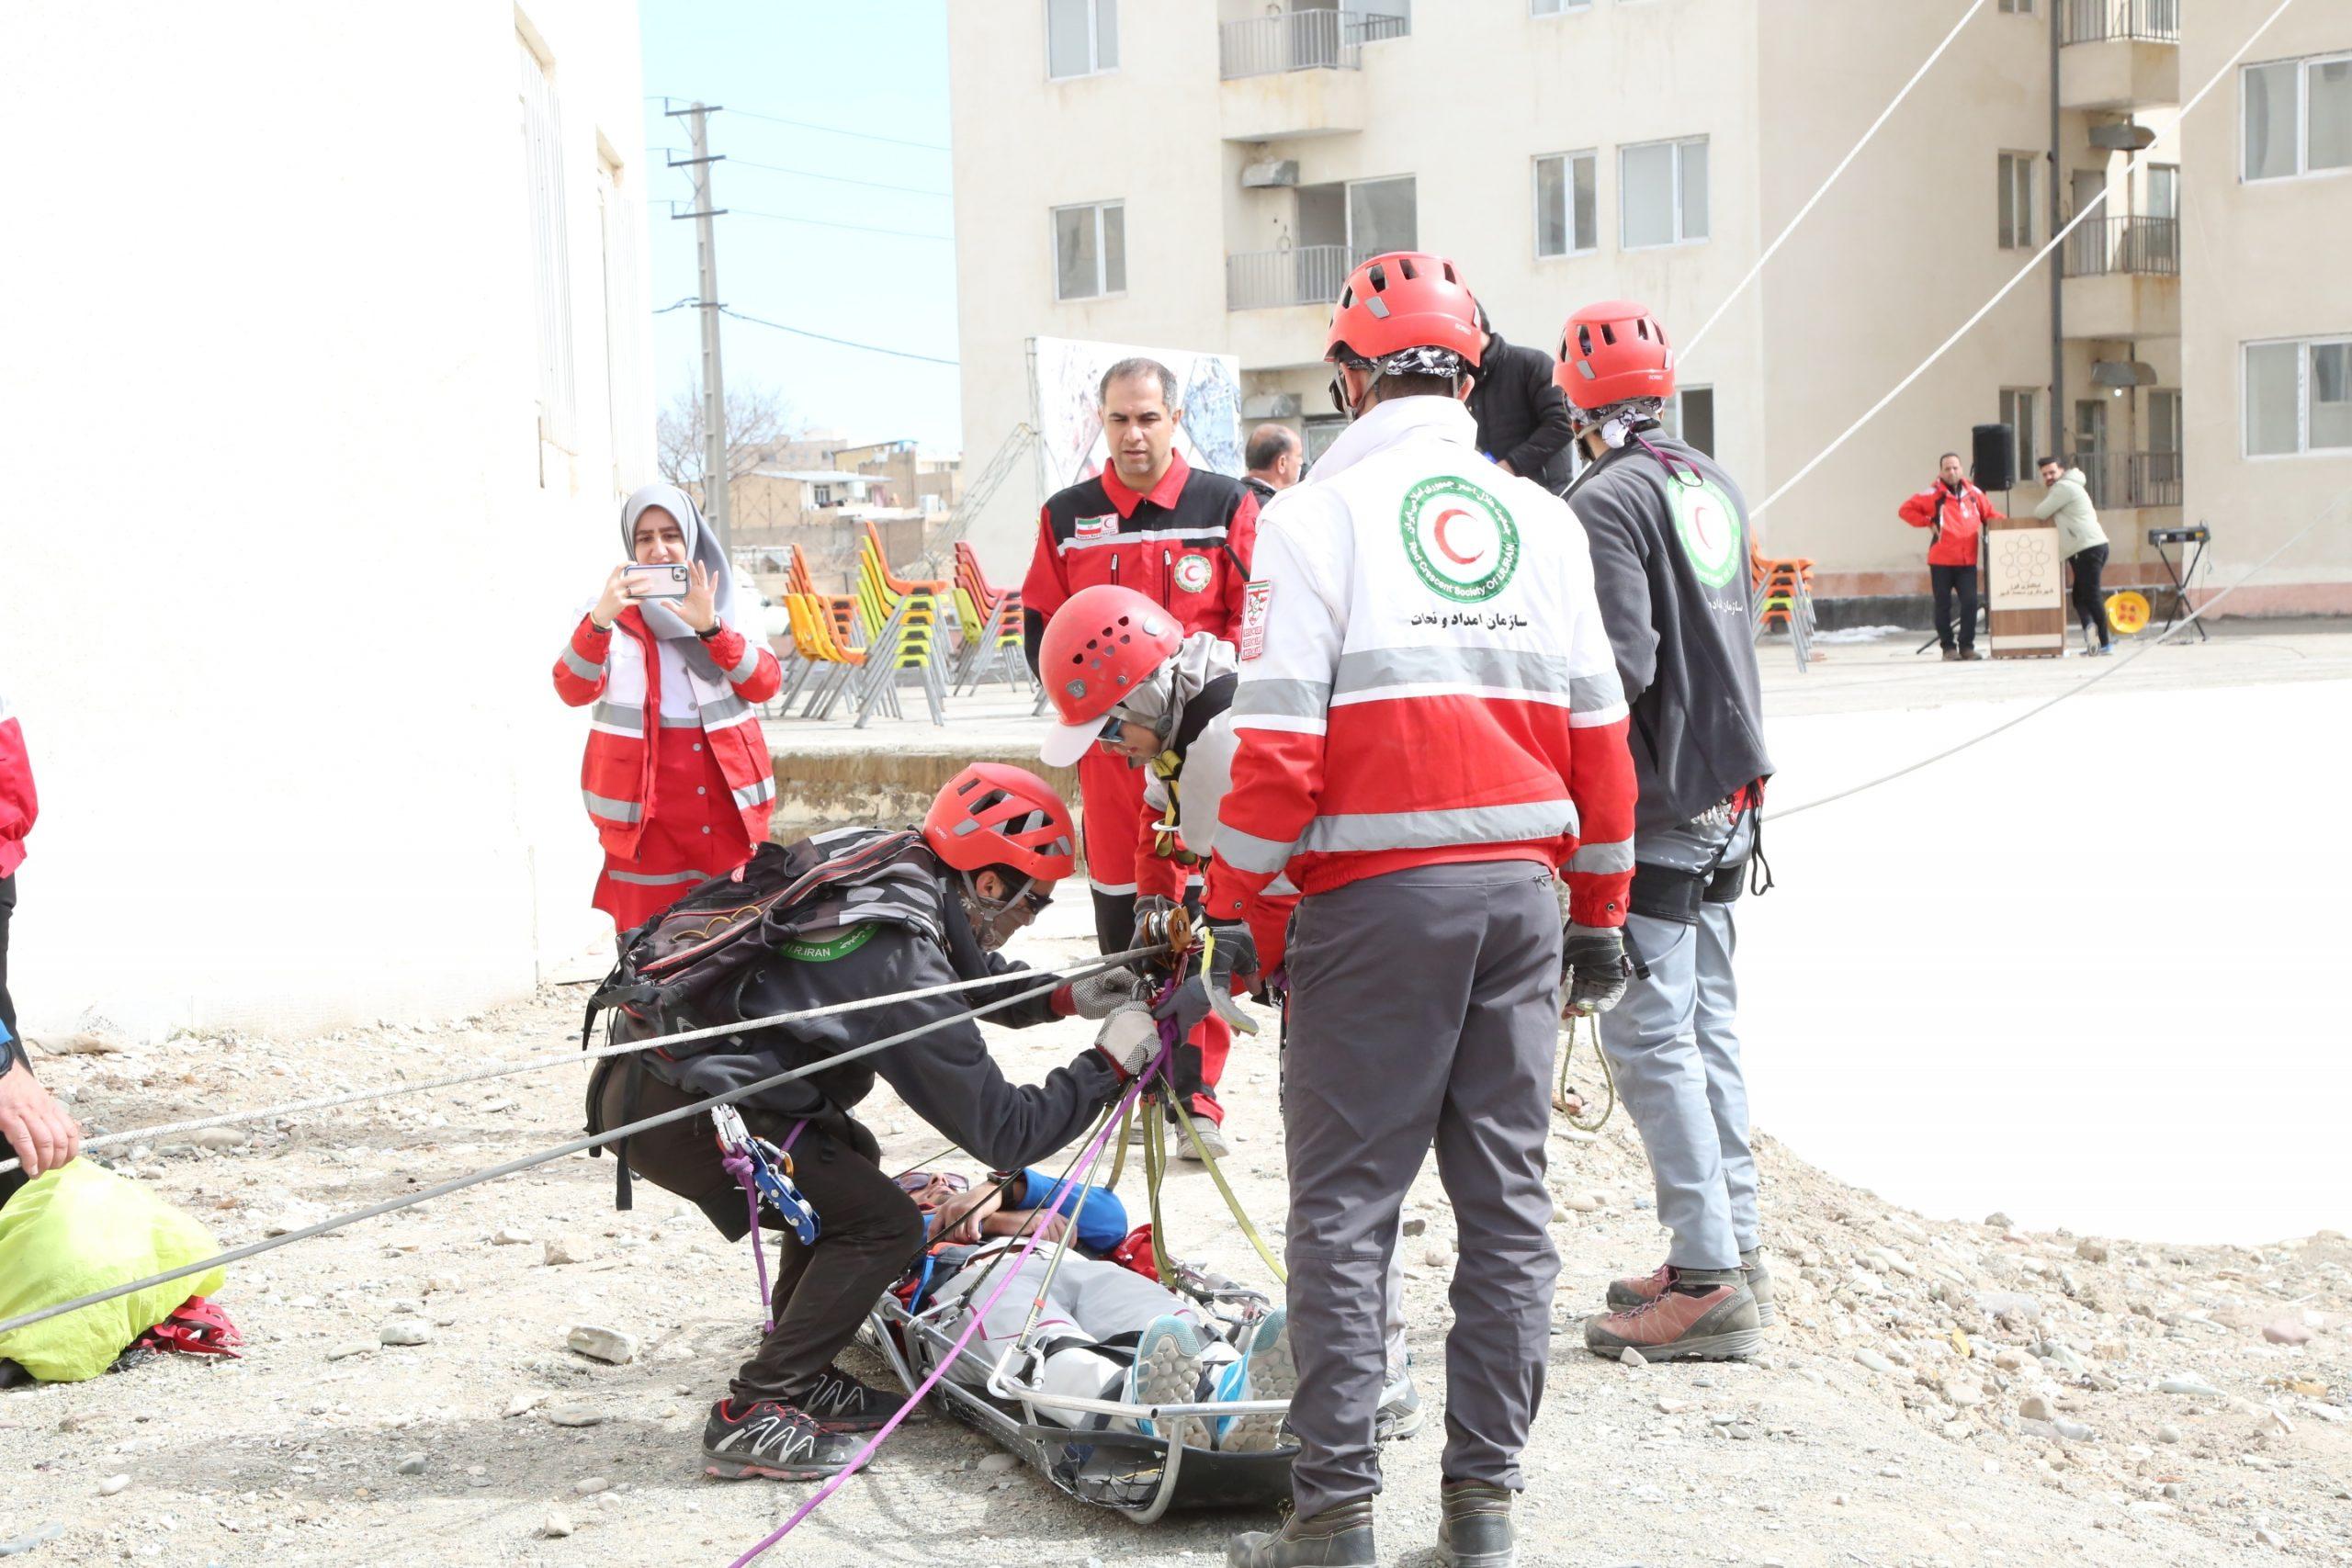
1424	1010
1673	1042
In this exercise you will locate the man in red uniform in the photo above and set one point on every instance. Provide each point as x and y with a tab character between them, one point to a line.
1954	511
1429	722
1181	537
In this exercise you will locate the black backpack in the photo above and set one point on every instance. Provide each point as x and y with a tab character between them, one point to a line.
686	967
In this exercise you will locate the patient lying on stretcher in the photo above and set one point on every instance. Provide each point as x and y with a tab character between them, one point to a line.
1105	1331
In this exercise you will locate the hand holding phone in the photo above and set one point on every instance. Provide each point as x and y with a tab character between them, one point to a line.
663	580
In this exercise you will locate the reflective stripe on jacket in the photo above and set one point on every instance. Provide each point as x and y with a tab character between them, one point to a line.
623	677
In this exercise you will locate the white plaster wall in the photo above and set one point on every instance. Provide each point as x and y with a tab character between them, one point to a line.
286	564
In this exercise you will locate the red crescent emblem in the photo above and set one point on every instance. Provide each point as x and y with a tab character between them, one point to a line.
1702	519
1437	531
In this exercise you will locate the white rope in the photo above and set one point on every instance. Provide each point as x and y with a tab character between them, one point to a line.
2094	205
1691	345
537	1063
524	1162
2115	669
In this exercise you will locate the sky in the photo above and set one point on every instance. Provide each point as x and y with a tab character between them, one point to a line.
874	67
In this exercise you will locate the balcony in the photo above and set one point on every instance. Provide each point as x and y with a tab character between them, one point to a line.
2118	480
2121	278
2119	55
1299	73
2150	246
1302	275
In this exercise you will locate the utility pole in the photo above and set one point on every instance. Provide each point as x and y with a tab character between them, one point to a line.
714	387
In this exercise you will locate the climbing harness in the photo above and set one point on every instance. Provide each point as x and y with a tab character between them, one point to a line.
763	1170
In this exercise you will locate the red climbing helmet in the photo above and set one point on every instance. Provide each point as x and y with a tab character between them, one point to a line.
1611	352
1404	300
994	814
1100	645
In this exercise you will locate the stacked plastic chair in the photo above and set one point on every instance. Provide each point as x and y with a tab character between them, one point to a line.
829	665
1784	593
905	613
989	619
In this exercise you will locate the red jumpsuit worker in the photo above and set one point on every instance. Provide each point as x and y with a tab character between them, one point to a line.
1955	512
677	776
1181	537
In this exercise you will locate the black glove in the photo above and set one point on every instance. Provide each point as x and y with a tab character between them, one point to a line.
1593	969
1209	988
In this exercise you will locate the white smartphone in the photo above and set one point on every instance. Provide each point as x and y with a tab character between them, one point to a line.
659	581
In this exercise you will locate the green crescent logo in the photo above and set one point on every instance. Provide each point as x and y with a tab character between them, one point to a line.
1709	526
1461	540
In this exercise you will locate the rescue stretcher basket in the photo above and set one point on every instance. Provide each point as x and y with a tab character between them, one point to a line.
1135	1474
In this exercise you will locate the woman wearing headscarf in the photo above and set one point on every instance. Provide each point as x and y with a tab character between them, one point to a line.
677	776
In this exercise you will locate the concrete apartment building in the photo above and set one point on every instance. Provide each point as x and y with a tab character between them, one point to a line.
1569	150
370	280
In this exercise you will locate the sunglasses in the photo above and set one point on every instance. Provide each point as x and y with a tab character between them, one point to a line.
914	1181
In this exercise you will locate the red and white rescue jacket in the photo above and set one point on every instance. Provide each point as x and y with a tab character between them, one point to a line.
18	803
1424	677
622	675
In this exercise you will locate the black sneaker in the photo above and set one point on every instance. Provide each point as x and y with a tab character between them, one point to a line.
841	1403
767	1439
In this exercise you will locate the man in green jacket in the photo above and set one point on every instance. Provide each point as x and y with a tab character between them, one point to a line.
2084	543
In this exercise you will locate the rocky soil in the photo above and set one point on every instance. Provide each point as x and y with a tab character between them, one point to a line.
518	1374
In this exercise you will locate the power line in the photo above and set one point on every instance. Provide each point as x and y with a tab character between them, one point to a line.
830	223
843	342
812	125
838	179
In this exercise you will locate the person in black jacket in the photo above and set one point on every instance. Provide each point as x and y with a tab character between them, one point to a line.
1670	540
900	912
1522	420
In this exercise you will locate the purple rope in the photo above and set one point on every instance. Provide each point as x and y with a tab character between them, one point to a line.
1037	1234
737	1164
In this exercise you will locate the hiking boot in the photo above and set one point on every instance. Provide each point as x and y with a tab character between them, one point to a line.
1698	1317
1266	1371
1335	1538
1476	1530
1623	1293
841	1403
1400	1414
770	1438
1206	1136
1167	1371
1951	656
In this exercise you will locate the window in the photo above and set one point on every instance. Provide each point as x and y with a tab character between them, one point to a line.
1081	36
2017	7
1556	8
1662	196
2297	397
1089	250
551	248
2164	441
2016	227
2020	408
2296	118
1690	416
1567	206
1383	215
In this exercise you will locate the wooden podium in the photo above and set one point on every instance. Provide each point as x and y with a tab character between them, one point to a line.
2025	589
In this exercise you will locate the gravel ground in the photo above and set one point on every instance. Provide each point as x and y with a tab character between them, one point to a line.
1942	1393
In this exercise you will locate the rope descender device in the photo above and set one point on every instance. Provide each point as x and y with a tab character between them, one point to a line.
765	1171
